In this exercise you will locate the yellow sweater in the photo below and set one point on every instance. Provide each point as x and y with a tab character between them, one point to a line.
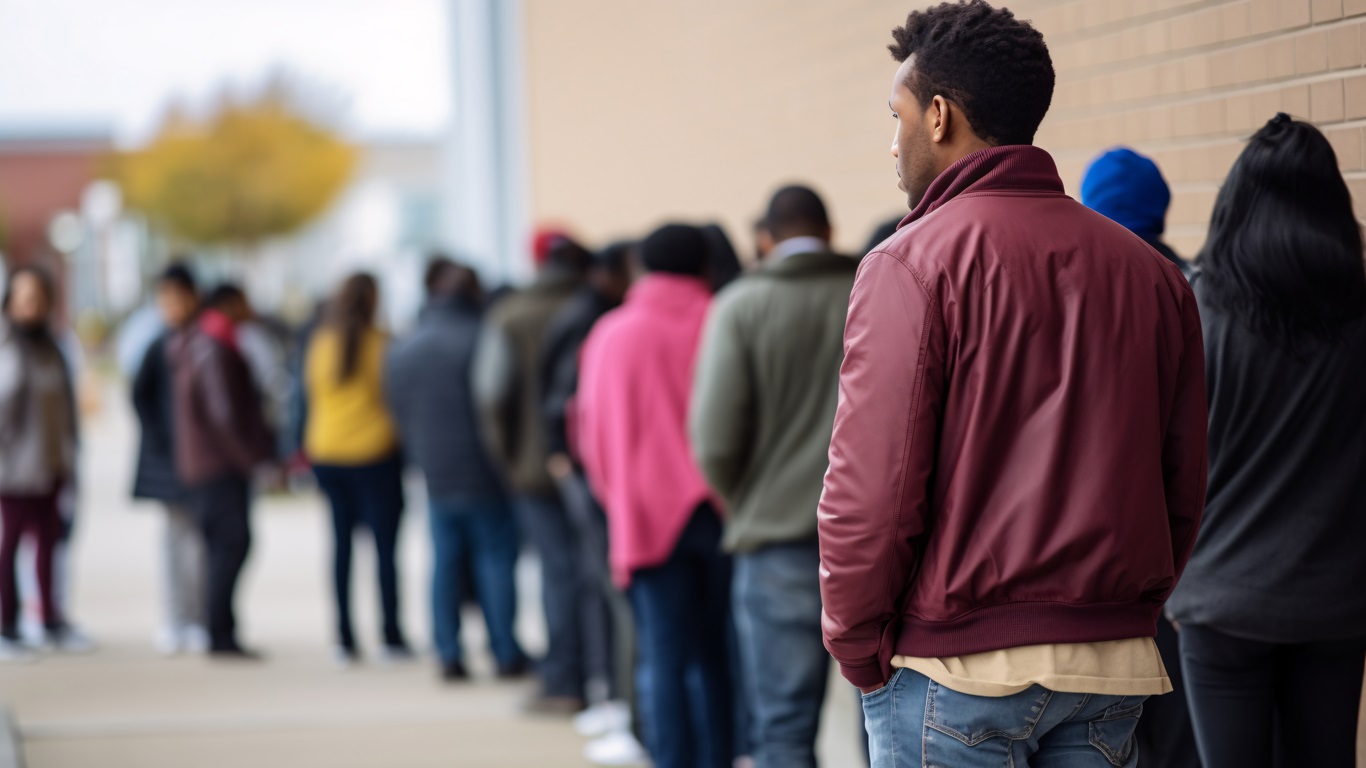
348	421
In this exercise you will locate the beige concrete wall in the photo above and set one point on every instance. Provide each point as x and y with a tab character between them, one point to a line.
641	111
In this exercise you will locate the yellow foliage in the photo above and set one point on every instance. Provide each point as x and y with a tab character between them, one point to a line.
250	171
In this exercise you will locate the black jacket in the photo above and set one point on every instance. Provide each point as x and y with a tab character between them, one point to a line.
1279	557
427	386
156	476
559	368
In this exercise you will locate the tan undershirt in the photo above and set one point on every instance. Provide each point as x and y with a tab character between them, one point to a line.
1114	668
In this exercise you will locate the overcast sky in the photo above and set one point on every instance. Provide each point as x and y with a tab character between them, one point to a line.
118	63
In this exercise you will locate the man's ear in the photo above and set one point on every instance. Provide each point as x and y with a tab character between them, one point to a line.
940	117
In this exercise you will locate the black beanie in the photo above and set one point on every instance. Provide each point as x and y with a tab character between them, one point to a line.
675	248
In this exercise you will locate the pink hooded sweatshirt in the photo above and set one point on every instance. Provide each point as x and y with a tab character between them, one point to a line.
635	384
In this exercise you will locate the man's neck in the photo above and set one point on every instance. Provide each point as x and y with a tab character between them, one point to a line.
795	245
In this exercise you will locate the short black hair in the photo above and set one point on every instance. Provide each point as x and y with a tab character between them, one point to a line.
679	249
615	258
224	294
568	254
178	275
1283	254
437	264
796	211
989	64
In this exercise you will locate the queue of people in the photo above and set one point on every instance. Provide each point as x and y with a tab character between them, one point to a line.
1046	492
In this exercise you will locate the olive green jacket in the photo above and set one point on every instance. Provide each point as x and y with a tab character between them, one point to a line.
764	396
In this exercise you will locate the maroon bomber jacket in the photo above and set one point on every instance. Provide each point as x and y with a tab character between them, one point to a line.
1019	451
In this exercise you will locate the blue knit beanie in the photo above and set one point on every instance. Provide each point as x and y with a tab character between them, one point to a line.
1128	188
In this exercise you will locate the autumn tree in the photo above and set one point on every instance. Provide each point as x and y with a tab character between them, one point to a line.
251	170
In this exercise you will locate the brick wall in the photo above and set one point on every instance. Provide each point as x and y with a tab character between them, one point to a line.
641	111
1187	82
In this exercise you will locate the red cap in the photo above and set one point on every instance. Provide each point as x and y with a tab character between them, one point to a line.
543	239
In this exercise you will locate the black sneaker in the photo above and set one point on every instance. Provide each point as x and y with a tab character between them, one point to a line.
454	672
514	671
235	653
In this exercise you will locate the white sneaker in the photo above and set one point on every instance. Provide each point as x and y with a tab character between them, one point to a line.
194	639
344	657
616	748
15	652
167	641
604	718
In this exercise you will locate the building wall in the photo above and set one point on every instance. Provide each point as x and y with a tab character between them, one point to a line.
639	112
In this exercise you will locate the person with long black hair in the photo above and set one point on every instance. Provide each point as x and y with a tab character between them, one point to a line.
1271	610
352	442
38	427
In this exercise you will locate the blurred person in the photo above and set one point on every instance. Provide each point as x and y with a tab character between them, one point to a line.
263	351
664	530
881	232
1128	188
220	438
723	262
763	405
508	393
606	614
156	478
353	444
38	444
763	240
474	532
1017	469
1271	610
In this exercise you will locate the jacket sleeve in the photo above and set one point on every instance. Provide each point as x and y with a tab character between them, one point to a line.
720	423
494	383
148	397
882	455
590	433
559	374
1185	452
221	405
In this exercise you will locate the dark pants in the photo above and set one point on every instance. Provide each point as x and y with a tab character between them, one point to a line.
608	640
1259	704
21	515
681	612
475	536
545	523
370	495
1165	735
221	508
777	602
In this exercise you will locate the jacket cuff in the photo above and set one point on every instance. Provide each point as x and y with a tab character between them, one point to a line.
864	675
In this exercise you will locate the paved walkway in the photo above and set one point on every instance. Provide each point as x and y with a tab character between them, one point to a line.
126	706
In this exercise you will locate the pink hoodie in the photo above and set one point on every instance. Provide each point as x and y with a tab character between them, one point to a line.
635	383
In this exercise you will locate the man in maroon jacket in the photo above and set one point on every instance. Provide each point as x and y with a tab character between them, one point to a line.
1018	464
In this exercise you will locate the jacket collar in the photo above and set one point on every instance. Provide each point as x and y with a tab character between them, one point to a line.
668	291
809	263
1017	167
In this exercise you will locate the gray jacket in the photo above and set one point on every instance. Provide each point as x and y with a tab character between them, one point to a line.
37	416
427	386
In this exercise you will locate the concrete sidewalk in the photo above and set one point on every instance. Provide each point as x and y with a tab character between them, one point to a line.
125	706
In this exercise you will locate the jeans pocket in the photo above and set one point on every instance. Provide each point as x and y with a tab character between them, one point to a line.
1113	732
975	719
882	692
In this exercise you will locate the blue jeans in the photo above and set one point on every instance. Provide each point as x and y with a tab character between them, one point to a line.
777	602
683	676
369	495
914	721
545	522
480	531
